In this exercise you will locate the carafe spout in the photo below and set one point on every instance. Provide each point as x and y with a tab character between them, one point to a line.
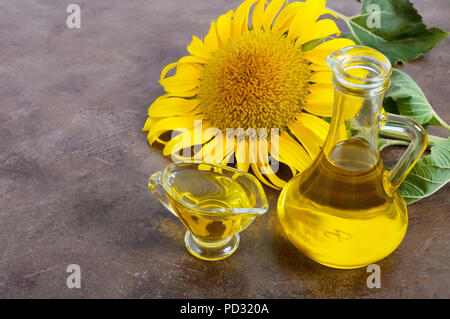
360	70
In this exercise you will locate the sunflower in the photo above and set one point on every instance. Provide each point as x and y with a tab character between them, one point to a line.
271	75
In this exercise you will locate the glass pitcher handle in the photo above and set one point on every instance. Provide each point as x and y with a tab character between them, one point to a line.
402	124
155	186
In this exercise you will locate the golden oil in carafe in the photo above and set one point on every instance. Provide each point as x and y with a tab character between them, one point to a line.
338	212
210	190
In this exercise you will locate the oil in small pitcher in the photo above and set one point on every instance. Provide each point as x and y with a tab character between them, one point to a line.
214	202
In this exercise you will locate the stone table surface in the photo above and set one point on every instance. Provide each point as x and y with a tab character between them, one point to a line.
74	165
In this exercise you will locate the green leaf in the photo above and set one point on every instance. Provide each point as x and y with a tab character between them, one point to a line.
405	97
401	35
430	174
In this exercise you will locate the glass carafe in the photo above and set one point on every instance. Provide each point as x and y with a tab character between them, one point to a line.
344	211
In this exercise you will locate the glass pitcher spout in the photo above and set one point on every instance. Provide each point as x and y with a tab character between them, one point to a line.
344	211
360	69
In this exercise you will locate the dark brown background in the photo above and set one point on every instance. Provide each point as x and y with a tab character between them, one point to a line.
74	165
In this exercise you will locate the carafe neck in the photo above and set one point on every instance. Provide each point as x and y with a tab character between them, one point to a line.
361	75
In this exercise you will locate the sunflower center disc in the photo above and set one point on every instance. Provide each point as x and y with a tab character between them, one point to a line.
257	80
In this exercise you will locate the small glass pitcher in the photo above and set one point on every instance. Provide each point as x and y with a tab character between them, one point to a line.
344	211
214	202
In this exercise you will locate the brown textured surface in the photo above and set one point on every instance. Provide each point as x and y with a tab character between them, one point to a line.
74	165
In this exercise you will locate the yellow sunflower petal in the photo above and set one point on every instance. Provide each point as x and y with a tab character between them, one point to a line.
157	139
191	59
315	124
274	153
240	22
269	178
319	68
271	11
212	39
181	141
172	107
320	53
273	178
309	140
326	11
305	17
224	27
148	123
186	139
243	166
265	168
253	154
320	93
334	44
318	57
257	172
320	86
177	84
212	151
320	101
291	153
189	71
206	148
167	69
319	109
320	29
158	100
189	93
261	166
229	145
199	49
242	153
323	77
219	149
277	157
169	124
284	19
258	15
226	159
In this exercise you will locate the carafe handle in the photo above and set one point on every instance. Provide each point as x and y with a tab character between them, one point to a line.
402	124
155	186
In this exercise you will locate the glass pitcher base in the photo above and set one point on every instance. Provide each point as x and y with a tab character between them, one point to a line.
349	266
211	250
